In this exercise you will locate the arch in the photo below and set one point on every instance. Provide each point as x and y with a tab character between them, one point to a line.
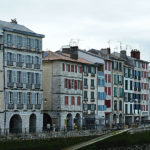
15	124
77	121
32	123
47	121
69	122
120	119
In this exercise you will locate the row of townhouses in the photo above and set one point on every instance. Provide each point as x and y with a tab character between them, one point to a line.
70	88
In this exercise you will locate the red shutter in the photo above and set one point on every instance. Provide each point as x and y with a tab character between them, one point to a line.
106	65
106	78
80	69
68	67
63	67
106	90
109	66
69	84
146	107
66	100
72	68
141	107
109	78
80	85
75	68
109	90
72	100
107	103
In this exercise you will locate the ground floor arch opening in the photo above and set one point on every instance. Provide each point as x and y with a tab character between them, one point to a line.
69	122
47	122
77	121
32	123
15	124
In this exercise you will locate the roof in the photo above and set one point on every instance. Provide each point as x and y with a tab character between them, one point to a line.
53	56
9	26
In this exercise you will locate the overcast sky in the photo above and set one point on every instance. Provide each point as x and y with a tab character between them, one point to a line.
92	22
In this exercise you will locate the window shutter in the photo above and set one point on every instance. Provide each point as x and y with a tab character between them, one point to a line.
14	57
33	98
89	106
15	97
63	67
6	97
40	78
106	90
41	98
75	84
106	78
76	68
69	84
14	76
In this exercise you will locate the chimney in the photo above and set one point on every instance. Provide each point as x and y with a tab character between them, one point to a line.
135	54
14	21
74	52
106	51
123	54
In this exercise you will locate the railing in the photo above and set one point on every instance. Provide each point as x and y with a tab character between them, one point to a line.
19	64
9	63
100	74
10	84
37	86
28	65
37	66
19	85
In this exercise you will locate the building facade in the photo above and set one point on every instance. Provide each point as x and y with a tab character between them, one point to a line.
21	74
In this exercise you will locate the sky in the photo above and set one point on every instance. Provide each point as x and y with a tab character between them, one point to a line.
120	24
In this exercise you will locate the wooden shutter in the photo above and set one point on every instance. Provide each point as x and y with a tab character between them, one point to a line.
75	84
68	67
80	85
63	67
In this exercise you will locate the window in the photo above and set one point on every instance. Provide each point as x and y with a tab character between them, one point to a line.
19	58
130	108
19	40
66	100
10	97
89	69
85	82
78	101
72	100
120	66
106	90
28	42
9	38
37	78
68	67
76	68
92	95
131	85
78	84
115	79
109	66
92	82
29	77
37	98
9	56
29	98
105	65
29	60
126	108
126	84
85	94
75	82
120	92
93	107
93	70
19	76
36	44
120	105
72	83
19	98
80	69
115	105
85	107
9	76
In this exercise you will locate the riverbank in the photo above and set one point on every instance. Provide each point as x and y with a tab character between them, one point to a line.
137	141
43	144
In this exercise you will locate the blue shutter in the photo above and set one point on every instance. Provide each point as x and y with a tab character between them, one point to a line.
5	55
34	78
41	98
5	38
33	98
6	97
24	77
24	98
40	78
22	58
15	97
14	57
14	76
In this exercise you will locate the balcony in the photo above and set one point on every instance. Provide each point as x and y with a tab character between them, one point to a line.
37	86
28	65
92	87
85	99
29	106
85	86
19	85
19	64
10	84
29	86
19	106
37	106
100	74
92	99
37	66
9	63
92	74
85	73
10	106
